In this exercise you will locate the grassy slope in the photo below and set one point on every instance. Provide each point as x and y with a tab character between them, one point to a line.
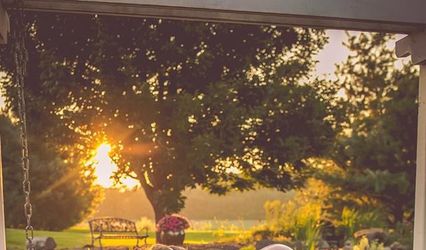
78	237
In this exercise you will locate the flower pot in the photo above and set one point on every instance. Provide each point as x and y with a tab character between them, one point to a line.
172	238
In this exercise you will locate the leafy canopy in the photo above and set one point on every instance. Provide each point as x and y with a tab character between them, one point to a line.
223	106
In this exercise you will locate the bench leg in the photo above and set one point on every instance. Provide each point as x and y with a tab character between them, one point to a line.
100	243
138	247
92	244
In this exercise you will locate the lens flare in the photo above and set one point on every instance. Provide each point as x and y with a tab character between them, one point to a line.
105	169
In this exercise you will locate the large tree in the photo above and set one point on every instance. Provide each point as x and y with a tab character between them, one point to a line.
222	106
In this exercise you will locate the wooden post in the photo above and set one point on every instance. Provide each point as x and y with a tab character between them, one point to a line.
420	206
2	219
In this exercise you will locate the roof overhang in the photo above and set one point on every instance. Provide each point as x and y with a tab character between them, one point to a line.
395	16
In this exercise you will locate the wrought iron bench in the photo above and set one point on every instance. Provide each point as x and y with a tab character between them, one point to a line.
115	228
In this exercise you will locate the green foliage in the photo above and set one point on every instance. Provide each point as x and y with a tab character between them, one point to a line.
299	219
310	231
364	244
217	105
354	220
377	146
403	233
61	197
249	247
310	214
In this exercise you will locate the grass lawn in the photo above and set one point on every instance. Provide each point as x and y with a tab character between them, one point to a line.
80	236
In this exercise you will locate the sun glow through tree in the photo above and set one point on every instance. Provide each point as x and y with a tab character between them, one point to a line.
105	169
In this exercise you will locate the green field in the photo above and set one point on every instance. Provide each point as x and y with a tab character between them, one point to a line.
80	236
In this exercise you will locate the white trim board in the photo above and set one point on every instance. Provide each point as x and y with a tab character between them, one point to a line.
398	16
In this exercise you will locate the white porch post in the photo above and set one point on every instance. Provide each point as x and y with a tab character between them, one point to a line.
420	207
2	218
415	45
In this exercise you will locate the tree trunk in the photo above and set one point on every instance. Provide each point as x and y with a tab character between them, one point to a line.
159	212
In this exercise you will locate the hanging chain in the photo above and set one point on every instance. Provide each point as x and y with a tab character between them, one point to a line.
21	59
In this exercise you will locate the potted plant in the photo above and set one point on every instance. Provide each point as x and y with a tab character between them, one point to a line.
171	229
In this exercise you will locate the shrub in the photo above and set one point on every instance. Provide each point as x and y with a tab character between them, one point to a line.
353	220
144	222
365	245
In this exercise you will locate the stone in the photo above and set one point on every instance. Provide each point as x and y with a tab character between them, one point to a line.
299	245
165	247
160	247
322	244
348	245
398	246
215	246
177	247
277	247
44	243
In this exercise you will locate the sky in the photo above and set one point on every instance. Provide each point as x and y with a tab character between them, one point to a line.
334	52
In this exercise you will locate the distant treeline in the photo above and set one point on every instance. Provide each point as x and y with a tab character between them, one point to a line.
200	205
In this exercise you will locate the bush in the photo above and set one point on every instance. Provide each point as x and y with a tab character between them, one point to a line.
298	219
365	245
144	222
402	233
249	247
354	220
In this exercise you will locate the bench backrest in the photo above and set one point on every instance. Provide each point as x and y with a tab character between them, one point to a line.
112	225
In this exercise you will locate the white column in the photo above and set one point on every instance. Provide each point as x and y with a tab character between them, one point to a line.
414	45
420	203
2	220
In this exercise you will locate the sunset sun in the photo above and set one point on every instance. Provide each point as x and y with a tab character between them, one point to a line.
105	169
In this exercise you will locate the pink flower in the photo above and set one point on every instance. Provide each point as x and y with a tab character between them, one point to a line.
174	223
